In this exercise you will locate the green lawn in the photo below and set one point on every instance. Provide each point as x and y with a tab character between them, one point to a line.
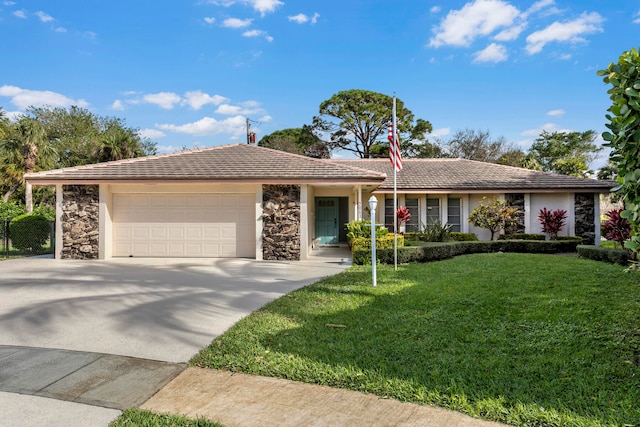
519	338
137	418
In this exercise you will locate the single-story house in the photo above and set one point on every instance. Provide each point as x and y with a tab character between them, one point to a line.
246	201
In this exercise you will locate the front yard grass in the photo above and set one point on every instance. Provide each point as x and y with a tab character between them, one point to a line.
524	339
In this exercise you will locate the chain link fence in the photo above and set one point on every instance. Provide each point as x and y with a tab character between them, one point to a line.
26	238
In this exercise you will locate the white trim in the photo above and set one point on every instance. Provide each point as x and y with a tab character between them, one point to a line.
59	232
304	225
527	213
596	218
259	224
571	215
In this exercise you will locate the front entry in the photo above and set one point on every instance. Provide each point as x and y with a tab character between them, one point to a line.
327	223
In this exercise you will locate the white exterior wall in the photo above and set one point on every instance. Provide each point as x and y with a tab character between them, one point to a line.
552	201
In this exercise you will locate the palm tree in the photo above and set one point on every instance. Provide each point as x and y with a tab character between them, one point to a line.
25	149
118	144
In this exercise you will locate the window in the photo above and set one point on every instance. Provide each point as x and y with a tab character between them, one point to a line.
433	210
389	213
413	204
453	213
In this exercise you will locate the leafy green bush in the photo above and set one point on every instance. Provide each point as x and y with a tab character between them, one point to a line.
363	244
457	236
362	228
10	210
439	251
46	211
29	232
435	231
522	236
597	253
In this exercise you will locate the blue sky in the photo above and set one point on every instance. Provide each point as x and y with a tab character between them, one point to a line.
188	73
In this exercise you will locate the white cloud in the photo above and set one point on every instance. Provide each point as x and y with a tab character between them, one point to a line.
556	113
236	23
209	19
475	19
24	98
246	108
538	6
151	133
117	105
197	99
209	126
164	100
548	127
437	133
566	32
435	9
258	33
636	19
44	17
266	118
265	6
492	53
20	14
301	18
511	33
60	30
8	3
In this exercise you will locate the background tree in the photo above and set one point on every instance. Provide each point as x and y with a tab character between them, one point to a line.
477	145
566	153
358	120
23	151
624	138
297	141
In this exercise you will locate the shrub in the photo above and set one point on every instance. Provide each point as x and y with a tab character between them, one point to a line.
362	228
596	253
552	221
29	232
361	247
48	212
522	236
616	228
435	231
457	236
403	215
438	251
10	210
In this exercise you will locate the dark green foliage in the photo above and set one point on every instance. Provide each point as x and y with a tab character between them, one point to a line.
435	231
439	251
624	138
597	253
566	153
10	210
363	244
29	232
49	212
362	228
522	236
457	236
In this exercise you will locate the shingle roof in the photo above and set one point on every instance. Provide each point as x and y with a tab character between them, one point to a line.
237	162
468	175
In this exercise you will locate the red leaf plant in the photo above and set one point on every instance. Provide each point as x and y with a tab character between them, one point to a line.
403	214
552	221
616	228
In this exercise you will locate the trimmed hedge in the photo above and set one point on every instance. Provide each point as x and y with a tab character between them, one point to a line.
598	253
439	251
457	236
384	242
522	236
29	232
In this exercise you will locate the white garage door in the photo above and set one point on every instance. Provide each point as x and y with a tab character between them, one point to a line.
184	225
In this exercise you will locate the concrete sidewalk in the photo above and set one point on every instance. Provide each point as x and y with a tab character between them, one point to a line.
240	400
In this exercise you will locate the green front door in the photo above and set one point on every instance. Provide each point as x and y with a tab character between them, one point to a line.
327	212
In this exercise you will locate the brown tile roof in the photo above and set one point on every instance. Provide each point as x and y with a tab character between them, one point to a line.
237	162
444	175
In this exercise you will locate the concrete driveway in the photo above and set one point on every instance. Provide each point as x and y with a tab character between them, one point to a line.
155	309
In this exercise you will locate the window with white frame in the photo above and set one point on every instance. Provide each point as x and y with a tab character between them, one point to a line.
433	210
454	213
413	205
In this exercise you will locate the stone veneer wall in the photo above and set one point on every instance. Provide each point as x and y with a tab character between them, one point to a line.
281	222
585	213
516	200
80	221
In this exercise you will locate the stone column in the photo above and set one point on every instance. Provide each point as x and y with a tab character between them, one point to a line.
281	222
80	222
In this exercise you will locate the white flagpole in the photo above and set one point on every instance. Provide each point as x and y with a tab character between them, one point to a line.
395	194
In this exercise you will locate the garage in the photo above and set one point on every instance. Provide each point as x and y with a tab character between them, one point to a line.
210	225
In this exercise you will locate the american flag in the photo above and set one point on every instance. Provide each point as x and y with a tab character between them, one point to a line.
394	149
